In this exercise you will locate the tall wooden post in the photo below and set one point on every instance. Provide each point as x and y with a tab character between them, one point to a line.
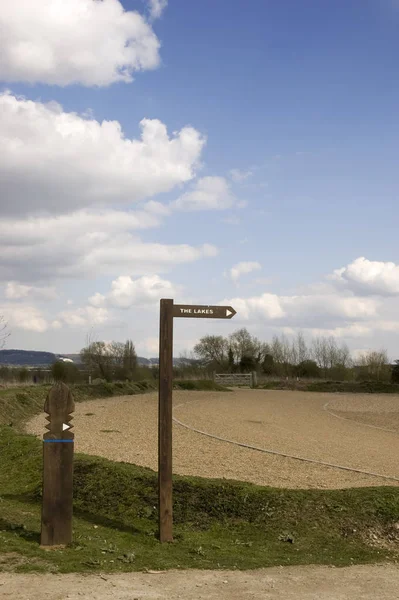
58	447
165	421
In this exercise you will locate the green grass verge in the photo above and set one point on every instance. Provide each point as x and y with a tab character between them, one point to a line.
218	523
18	404
200	385
347	387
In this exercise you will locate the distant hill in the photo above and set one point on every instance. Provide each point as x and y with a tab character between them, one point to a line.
35	358
26	358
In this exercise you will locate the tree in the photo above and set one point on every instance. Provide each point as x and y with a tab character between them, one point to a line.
230	360
248	363
3	332
65	371
129	359
281	350
308	368
247	349
212	349
374	365
113	360
299	352
268	364
97	359
395	372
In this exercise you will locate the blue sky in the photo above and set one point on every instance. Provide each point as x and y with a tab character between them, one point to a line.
297	179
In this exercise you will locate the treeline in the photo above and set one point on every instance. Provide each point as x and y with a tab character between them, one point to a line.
17	375
101	361
322	357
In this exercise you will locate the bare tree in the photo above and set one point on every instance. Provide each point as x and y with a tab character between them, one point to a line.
4	334
299	350
212	348
109	360
375	364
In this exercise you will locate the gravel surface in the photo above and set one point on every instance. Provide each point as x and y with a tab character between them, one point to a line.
125	429
380	410
291	583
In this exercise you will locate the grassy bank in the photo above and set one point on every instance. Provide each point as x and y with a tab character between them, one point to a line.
218	523
18	404
347	387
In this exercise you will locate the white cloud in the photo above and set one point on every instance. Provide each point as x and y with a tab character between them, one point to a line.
243	268
355	330
368	277
238	175
157	7
207	193
84	316
149	346
127	292
265	307
66	42
84	244
17	291
24	316
304	310
57	161
333	306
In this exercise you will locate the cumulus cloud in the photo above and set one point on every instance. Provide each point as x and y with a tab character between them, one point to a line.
157	7
243	268
127	292
368	277
85	42
24	316
17	291
304	310
84	244
56	161
84	316
208	193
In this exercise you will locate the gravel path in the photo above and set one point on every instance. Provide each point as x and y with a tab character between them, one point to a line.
291	583
125	429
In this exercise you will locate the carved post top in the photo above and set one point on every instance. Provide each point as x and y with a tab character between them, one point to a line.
59	405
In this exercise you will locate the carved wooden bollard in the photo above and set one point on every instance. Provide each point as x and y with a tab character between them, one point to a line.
58	446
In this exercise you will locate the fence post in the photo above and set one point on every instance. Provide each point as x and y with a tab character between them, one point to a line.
254	379
58	447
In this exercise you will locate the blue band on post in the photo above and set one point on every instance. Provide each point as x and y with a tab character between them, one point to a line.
58	441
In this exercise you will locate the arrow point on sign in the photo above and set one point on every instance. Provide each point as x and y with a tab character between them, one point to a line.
230	312
65	427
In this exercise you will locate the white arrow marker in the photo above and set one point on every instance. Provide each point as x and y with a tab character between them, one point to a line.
65	427
228	312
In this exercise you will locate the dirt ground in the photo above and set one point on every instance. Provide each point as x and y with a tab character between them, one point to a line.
290	583
332	428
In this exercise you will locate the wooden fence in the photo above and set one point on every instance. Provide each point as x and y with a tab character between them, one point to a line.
236	379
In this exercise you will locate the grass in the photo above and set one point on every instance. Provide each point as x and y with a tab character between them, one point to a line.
17	405
347	387
218	523
199	385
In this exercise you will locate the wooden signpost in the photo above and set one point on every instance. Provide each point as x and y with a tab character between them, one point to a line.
169	310
58	446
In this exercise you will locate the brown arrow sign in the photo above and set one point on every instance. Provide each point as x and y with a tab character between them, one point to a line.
203	312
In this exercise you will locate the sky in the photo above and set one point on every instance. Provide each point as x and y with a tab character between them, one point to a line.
213	152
